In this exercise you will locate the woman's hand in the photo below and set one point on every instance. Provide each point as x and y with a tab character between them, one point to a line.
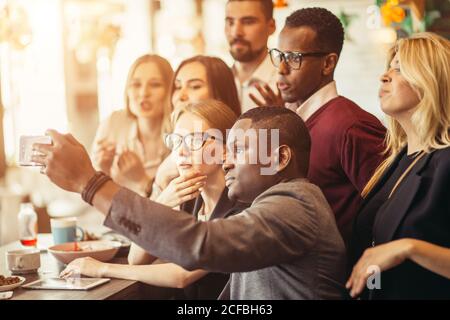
66	162
84	266
167	171
130	171
182	189
104	155
382	257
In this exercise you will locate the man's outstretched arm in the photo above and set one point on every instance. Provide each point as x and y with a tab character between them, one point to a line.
277	229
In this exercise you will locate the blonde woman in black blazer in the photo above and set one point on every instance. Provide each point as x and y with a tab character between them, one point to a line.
403	227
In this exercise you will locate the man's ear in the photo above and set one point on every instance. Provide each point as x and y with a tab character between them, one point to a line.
283	155
272	26
330	64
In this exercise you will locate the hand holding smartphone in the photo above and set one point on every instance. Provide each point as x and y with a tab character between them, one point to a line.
26	148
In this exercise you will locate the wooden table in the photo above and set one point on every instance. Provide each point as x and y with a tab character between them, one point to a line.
50	267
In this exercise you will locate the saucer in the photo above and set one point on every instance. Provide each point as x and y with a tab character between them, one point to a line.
14	272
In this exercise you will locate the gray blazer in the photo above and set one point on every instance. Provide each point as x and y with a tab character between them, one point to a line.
285	246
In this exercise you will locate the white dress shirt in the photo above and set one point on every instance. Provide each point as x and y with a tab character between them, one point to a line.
266	73
121	129
317	100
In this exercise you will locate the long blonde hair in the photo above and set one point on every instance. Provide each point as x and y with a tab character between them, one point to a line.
167	75
424	62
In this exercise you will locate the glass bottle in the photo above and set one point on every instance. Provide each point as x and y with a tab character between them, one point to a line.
27	225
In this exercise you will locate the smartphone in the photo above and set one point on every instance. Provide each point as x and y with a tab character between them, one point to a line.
26	148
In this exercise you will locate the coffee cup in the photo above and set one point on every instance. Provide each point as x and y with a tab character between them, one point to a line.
65	230
23	261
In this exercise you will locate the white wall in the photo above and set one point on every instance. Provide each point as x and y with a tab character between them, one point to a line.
135	41
36	75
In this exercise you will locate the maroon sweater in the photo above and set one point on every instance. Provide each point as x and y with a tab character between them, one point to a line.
347	146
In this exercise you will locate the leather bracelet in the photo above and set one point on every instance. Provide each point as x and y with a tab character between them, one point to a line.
93	185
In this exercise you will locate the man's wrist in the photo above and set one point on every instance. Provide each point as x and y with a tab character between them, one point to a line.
93	185
86	178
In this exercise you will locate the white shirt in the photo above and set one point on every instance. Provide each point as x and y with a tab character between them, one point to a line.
317	100
121	129
201	216
266	73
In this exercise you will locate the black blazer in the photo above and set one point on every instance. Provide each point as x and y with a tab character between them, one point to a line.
419	209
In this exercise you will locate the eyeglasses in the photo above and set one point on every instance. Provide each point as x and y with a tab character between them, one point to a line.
193	141
292	59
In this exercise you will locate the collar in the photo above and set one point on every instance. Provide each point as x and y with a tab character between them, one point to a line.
135	145
133	140
263	73
389	170
317	100
224	207
133	136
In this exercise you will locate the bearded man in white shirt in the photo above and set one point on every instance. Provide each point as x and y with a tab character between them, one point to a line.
248	26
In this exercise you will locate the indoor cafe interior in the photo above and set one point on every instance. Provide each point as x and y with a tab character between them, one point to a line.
64	65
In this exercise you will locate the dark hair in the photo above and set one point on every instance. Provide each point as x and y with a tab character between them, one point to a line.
266	5
220	81
292	130
328	28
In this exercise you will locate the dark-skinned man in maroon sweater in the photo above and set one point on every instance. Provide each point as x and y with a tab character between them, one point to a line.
347	142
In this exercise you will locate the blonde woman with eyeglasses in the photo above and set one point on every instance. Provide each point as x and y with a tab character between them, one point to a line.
200	190
403	227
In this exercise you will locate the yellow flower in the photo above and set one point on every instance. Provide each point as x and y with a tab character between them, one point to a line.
392	14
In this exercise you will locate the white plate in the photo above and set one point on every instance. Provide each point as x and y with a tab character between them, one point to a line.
112	236
13	286
6	295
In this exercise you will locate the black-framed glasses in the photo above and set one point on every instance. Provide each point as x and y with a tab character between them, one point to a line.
293	59
193	141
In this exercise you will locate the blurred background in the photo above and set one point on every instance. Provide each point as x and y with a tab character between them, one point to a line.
63	65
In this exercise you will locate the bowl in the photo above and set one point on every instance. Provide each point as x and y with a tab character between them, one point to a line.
124	241
10	287
101	250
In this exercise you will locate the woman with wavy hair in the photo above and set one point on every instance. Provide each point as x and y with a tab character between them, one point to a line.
204	77
197	79
128	145
401	236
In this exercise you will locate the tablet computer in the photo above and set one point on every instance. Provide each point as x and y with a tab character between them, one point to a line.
66	284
